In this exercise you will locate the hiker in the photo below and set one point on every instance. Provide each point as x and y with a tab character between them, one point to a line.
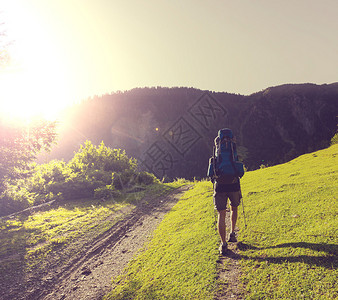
225	174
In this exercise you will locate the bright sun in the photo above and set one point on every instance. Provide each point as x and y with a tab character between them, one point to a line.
35	83
27	95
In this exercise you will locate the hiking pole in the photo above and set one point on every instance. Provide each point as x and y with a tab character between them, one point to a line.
214	177
243	212
215	213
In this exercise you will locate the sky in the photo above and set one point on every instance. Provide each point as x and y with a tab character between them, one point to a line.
64	51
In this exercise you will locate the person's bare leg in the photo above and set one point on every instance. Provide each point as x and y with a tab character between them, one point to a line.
221	226
234	214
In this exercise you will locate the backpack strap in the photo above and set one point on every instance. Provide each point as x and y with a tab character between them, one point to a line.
232	160
215	176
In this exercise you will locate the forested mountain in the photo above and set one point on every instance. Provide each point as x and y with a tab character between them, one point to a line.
171	130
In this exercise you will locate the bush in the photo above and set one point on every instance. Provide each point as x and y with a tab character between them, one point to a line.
93	172
129	178
106	192
334	140
90	157
146	178
15	197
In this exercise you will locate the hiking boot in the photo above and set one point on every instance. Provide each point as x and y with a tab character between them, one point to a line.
223	249
232	238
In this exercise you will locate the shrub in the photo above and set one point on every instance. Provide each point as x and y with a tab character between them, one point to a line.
90	157
92	172
334	140
146	178
106	192
15	198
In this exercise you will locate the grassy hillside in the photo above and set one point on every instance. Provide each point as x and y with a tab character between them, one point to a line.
292	235
288	250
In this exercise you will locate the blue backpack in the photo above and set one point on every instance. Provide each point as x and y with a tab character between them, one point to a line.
225	158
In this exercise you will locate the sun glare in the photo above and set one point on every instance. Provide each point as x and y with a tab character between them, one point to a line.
28	95
35	83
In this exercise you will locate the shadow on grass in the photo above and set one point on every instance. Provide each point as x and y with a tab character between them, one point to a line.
329	261
13	263
331	249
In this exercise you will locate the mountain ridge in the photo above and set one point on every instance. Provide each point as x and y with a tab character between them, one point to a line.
171	130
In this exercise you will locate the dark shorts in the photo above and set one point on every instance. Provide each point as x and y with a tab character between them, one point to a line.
224	192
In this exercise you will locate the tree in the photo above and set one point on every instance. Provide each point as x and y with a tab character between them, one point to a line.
19	146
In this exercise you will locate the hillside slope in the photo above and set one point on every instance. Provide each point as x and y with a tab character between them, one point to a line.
290	247
287	251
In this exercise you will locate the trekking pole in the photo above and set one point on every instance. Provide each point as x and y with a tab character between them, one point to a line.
213	178
215	214
243	212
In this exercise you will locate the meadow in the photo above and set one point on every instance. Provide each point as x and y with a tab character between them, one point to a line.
290	245
288	249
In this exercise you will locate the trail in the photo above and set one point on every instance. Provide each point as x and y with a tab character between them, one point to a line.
88	276
229	270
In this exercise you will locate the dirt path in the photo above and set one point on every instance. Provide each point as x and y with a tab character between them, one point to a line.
229	271
88	276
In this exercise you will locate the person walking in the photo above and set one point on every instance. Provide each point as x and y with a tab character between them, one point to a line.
225	189
226	186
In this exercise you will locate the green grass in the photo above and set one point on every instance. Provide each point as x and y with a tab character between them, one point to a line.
288	250
27	241
290	245
180	260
